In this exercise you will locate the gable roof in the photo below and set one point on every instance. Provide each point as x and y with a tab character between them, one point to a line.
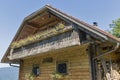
104	35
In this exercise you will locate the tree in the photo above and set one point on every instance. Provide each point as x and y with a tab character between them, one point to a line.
115	28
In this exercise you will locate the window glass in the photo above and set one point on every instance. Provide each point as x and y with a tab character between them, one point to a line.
36	70
62	68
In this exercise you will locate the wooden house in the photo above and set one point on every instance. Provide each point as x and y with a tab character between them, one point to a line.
52	45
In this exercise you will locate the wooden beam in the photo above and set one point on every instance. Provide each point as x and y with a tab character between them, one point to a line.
49	22
34	25
30	18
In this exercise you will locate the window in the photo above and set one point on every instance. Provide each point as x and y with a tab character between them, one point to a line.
36	70
62	68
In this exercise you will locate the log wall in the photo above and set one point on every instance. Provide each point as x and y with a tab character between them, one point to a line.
77	62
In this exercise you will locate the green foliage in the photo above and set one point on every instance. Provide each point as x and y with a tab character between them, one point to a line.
56	76
29	77
37	37
115	28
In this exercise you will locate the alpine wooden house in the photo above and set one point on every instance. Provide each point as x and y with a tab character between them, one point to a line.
52	45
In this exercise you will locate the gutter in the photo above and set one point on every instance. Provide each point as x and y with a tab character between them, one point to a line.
116	47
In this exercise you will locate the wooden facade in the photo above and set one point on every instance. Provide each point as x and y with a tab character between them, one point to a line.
51	45
77	64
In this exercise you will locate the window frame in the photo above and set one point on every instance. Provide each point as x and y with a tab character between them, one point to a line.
37	68
61	62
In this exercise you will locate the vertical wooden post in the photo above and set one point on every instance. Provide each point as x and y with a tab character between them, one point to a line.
20	69
11	52
91	53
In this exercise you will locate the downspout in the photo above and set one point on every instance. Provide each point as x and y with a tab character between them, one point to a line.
10	64
13	65
116	47
92	59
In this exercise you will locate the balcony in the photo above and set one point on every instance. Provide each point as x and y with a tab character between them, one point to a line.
61	38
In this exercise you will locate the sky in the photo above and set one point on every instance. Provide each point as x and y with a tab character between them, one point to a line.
12	13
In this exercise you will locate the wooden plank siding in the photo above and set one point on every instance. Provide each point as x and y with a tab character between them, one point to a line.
78	64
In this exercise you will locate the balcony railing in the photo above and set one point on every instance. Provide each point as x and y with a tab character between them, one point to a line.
52	43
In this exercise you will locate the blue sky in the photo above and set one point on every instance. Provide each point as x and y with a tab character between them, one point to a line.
12	12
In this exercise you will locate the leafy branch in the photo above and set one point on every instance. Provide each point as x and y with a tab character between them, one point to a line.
56	76
30	77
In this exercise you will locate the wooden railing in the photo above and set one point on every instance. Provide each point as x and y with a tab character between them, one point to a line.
68	38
